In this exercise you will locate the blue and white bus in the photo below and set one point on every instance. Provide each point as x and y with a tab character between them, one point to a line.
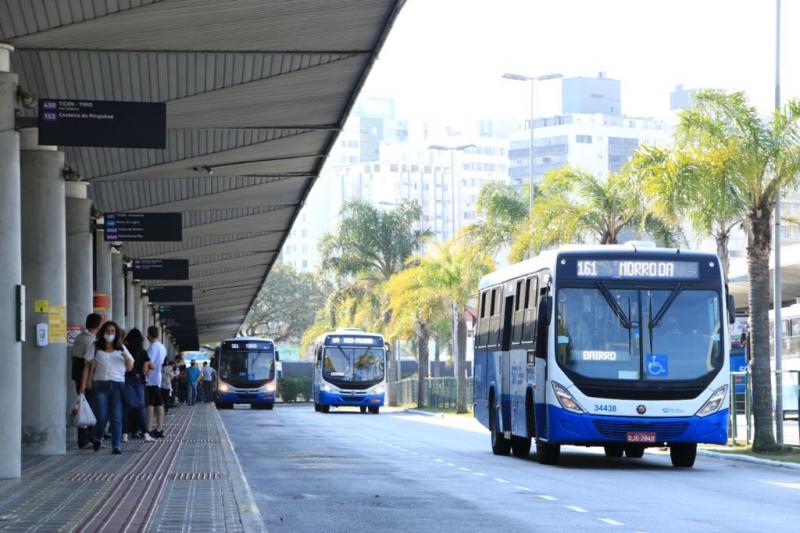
619	346
246	373
349	370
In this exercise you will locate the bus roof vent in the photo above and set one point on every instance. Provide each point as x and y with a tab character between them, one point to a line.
640	244
347	329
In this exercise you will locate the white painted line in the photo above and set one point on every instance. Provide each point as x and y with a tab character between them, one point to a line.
523	487
576	508
784	484
450	464
439	460
481	474
546	497
414	453
611	522
464	469
500	480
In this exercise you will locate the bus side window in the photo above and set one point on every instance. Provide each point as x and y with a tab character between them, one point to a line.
494	321
519	311
529	329
319	355
483	322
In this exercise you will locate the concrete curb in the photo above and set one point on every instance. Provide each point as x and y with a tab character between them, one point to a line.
748	459
248	510
421	412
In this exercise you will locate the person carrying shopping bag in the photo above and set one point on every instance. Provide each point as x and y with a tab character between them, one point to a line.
109	360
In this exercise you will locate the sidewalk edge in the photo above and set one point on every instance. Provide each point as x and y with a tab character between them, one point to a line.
748	459
248	510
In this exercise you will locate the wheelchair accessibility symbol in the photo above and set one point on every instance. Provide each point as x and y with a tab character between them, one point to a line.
657	366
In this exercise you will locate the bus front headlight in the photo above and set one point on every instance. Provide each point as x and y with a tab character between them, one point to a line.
269	387
224	387
714	403
566	399
378	389
327	387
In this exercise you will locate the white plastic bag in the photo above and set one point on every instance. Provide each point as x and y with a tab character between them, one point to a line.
81	414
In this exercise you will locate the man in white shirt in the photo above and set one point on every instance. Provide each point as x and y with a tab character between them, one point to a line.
155	404
208	382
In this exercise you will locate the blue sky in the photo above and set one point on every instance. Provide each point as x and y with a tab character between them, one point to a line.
444	58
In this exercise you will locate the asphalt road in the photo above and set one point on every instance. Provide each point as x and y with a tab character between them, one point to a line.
348	472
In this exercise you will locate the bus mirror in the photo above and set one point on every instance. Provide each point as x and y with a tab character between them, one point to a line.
277	355
544	310
731	309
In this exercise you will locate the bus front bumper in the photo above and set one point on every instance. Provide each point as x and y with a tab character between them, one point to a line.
331	398
255	397
571	428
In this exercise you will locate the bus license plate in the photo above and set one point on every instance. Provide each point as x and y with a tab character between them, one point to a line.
641	437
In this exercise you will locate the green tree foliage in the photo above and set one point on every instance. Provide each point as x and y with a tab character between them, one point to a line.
286	305
764	159
503	210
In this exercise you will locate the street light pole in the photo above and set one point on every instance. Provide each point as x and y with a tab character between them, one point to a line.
531	80
778	300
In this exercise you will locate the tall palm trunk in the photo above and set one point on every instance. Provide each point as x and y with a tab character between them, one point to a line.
722	238
423	336
437	351
758	250
461	366
391	370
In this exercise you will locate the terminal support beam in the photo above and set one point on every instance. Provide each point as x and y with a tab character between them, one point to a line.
137	307
44	273
118	289
102	287
80	267
10	274
130	316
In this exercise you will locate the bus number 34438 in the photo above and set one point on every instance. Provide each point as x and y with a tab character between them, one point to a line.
606	408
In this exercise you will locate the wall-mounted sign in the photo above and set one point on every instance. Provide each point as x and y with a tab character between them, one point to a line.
102	123
144	227
160	269
175	311
169	293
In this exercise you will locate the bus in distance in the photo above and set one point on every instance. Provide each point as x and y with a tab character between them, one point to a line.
349	370
613	346
246	373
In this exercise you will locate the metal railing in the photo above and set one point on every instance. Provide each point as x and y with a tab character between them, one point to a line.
440	393
740	423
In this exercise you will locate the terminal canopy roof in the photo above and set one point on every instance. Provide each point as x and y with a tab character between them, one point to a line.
256	92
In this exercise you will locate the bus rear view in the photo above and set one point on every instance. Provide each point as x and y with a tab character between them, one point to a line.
349	370
246	373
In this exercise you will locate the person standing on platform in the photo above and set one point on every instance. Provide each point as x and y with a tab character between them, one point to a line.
192	377
107	360
166	385
82	342
135	420
155	404
208	382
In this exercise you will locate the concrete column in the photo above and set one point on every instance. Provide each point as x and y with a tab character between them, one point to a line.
44	273
130	316
137	306
79	267
10	274
147	316
117	289
102	286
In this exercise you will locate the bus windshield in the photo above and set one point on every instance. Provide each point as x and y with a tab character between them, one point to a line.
246	367
642	334
354	364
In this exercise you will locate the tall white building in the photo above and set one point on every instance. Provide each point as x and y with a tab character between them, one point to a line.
383	161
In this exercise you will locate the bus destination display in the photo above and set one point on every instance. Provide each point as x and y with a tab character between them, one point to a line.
623	269
247	345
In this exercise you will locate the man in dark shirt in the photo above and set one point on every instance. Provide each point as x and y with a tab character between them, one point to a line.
84	339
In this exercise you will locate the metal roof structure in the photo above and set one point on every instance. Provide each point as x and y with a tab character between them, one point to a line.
256	92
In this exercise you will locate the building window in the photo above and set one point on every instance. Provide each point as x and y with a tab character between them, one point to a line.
585	139
393	168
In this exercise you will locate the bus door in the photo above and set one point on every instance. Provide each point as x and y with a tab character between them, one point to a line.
506	396
541	345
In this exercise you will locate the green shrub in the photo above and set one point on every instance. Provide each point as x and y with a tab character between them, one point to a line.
290	389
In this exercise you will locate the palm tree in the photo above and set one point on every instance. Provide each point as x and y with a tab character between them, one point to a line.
415	309
764	160
369	247
689	182
453	269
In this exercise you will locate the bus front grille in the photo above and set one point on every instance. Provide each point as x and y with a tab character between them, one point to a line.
665	431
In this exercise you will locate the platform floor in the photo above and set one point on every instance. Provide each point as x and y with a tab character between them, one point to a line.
189	481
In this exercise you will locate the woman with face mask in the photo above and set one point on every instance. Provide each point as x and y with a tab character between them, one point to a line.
109	360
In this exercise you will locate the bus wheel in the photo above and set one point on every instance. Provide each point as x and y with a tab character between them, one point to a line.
500	444
325	408
363	408
520	447
221	405
548	454
316	406
614	450
270	406
683	455
634	452
374	409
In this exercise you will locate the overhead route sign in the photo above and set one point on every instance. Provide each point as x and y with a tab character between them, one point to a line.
143	227
160	269
102	123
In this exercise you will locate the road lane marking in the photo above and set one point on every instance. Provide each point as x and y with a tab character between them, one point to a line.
500	480
464	469
547	497
522	487
438	460
481	474
414	453
450	464
784	484
611	522
576	508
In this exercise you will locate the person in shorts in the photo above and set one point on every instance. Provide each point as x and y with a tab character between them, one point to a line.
155	403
